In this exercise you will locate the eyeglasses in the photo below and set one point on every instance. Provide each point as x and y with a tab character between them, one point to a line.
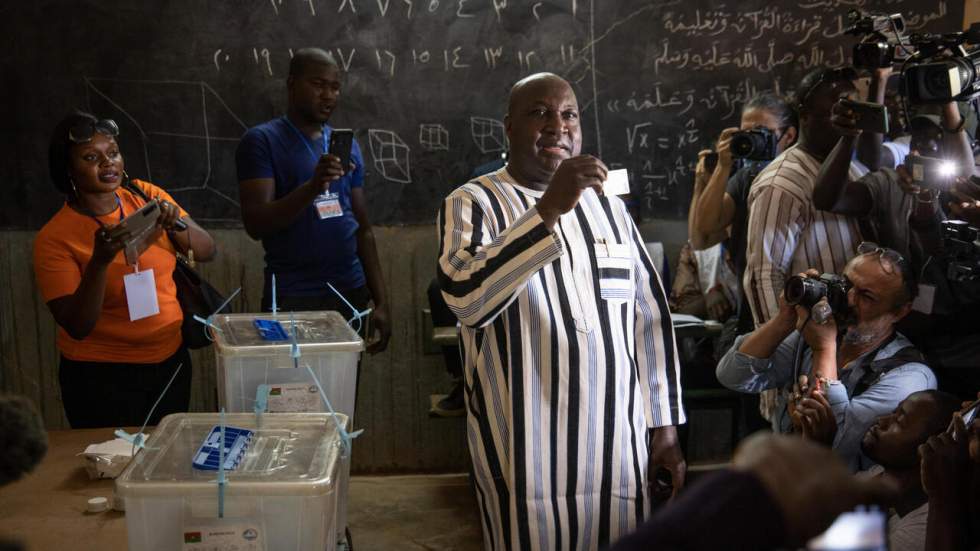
84	131
829	76
888	258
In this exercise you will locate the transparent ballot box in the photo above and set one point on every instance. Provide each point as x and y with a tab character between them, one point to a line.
327	345
281	496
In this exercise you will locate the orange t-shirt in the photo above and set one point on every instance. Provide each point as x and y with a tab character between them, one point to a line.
63	249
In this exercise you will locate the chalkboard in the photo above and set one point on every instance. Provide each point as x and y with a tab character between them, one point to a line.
425	89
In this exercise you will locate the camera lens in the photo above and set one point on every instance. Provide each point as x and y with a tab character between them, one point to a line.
743	144
795	289
804	291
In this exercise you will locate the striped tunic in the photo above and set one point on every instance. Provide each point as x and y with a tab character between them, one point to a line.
787	234
569	360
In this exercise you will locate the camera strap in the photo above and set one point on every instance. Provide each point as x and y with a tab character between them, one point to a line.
874	370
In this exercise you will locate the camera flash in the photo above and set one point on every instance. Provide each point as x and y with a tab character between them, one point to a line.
947	169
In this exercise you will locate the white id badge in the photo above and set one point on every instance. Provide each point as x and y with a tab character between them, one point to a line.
141	295
328	206
925	300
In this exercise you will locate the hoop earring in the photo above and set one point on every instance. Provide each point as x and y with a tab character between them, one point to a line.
73	188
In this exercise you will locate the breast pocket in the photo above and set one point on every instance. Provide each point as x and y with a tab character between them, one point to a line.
615	264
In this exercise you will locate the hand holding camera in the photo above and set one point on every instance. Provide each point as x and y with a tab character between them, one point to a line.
851	117
108	242
724	147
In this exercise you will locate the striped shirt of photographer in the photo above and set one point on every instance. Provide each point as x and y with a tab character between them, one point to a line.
788	234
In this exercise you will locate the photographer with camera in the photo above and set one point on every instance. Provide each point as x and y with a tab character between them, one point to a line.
839	330
891	201
719	207
946	319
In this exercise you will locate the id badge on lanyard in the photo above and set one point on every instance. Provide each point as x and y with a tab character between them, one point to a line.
328	206
141	294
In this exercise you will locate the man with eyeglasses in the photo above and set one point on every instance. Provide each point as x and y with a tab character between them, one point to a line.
856	359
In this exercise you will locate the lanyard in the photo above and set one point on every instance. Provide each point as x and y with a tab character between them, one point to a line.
119	206
306	140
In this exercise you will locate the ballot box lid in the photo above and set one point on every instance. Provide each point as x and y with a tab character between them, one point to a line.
290	454
315	332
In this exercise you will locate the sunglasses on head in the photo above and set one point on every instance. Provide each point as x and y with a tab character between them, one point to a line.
830	76
84	131
885	255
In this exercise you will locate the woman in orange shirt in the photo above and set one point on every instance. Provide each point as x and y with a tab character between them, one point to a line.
118	324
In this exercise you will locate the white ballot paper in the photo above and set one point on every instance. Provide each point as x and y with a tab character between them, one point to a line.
617	182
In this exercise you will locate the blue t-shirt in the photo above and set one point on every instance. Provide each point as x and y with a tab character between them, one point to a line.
310	252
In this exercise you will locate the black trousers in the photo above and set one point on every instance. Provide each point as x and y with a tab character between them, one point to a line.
102	394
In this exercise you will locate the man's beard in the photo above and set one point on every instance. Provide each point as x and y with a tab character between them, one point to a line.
862	334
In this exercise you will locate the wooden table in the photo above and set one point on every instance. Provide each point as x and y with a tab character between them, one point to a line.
46	509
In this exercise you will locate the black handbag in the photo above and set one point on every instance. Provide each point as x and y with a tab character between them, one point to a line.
196	296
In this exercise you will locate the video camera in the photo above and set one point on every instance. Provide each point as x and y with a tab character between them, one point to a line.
758	144
961	250
883	40
932	76
807	291
931	172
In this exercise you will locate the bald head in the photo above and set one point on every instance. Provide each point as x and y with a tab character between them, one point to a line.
303	59
533	85
542	128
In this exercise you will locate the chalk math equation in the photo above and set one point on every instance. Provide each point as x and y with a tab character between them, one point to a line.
657	81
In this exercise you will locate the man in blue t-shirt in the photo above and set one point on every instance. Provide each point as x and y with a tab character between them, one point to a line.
310	211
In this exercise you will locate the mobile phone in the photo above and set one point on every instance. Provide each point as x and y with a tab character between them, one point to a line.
971	413
341	141
140	225
860	530
710	162
930	170
871	117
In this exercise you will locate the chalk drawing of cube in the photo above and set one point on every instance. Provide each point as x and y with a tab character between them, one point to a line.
391	155
488	134
434	137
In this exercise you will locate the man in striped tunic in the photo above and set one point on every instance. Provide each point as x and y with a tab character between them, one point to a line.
572	380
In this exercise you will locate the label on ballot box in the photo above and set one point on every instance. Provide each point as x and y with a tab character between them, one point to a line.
293	398
248	536
236	444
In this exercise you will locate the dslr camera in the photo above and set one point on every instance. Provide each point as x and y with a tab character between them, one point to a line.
758	144
883	40
961	250
932	75
807	291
